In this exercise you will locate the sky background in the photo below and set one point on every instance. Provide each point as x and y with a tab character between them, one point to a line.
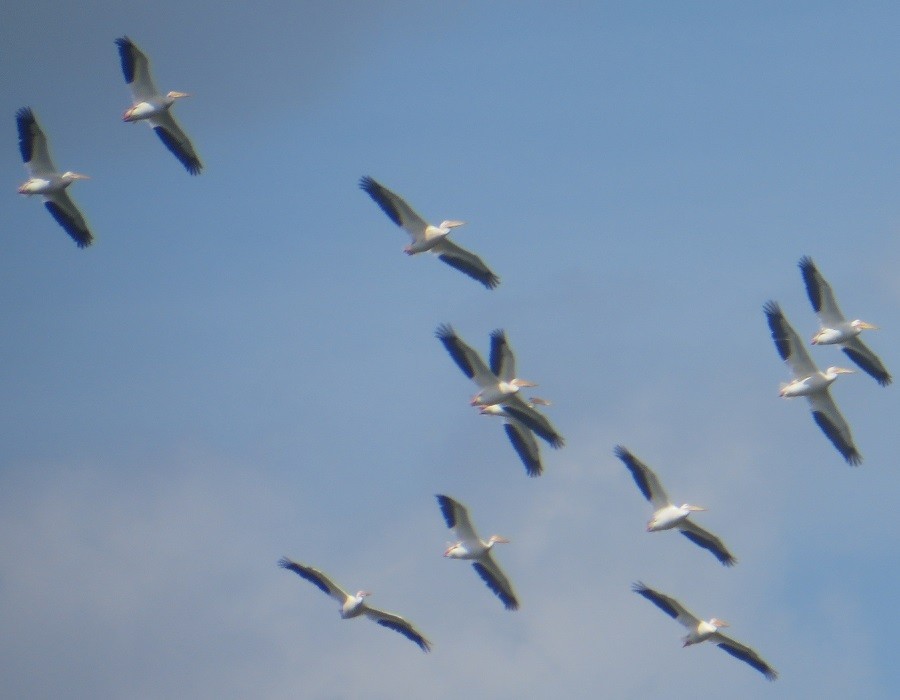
243	366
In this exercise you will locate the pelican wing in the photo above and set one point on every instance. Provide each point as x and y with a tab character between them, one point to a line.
136	69
466	262
466	358
645	479
496	580
457	518
707	540
746	654
532	419
668	605
316	577
395	207
176	141
398	624
788	343
820	295
827	416
33	145
63	209
859	352
525	445
503	361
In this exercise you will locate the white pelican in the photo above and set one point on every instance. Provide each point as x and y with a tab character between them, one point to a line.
811	383
427	237
355	605
666	515
46	181
470	546
153	106
703	630
520	435
835	329
493	389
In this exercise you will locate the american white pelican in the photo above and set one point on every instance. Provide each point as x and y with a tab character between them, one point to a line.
835	329
520	435
492	389
153	106
666	515
810	382
427	237
46	181
470	546
355	605
703	630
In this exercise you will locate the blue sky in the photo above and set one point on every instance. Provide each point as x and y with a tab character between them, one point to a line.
243	365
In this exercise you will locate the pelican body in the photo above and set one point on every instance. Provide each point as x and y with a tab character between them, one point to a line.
355	605
812	383
46	181
150	105
835	328
470	546
704	630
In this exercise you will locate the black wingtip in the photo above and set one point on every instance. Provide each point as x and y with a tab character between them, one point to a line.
190	162
24	120
446	506
808	270
127	58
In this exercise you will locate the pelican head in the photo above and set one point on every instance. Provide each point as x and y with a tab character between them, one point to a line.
69	176
451	224
494	539
717	623
174	94
863	325
522	382
362	594
834	371
688	506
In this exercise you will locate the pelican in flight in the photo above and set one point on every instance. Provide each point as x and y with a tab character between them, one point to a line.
810	382
703	630
493	389
520	435
470	546
666	515
153	106
46	181
427	237
835	328
355	605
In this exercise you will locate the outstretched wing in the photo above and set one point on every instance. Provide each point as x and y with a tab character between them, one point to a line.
466	262
315	577
33	145
707	540
668	605
63	209
859	352
788	343
398	624
176	141
466	358
745	654
644	477
827	416
496	580
457	518
820	295
533	419
525	445
395	207
136	69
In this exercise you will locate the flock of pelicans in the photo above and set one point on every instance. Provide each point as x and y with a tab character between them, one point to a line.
498	384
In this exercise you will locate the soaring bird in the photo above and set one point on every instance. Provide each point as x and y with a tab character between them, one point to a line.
703	630
493	389
520	435
425	236
153	106
835	328
470	546
46	181
355	605
666	515
812	383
